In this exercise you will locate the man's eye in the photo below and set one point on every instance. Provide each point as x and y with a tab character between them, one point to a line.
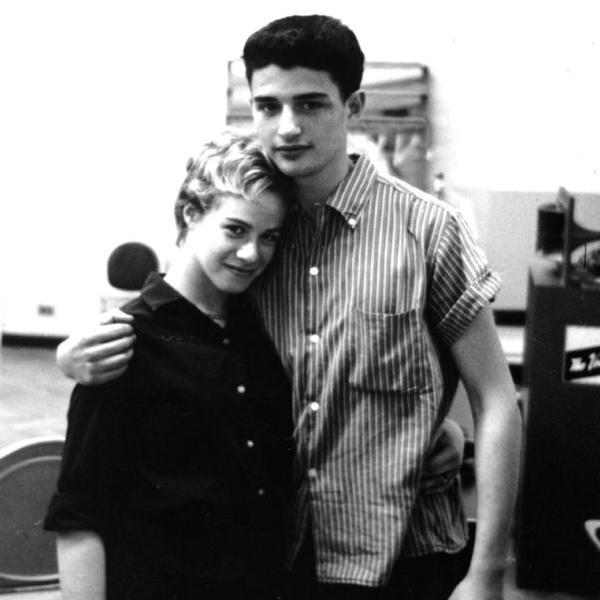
266	108
309	106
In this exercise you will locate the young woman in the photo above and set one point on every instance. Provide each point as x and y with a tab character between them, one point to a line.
175	475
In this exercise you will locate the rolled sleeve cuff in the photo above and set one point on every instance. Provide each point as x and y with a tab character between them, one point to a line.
482	291
69	512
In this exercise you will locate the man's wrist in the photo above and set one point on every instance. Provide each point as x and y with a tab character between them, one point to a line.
62	359
490	571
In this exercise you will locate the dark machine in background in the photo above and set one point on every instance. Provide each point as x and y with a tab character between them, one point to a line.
558	525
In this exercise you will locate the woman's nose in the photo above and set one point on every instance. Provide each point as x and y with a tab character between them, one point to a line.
248	252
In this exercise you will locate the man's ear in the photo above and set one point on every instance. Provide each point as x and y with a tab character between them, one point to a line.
356	104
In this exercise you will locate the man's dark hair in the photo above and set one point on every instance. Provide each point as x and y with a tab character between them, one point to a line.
315	42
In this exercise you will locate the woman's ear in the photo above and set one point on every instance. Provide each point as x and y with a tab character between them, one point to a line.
191	215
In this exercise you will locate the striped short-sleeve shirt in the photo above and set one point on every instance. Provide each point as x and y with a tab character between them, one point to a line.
363	304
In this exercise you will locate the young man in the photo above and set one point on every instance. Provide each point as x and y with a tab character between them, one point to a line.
377	302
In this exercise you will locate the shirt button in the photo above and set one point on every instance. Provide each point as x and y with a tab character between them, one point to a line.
314	271
250	444
312	473
352	221
314	338
261	492
314	406
226	341
241	389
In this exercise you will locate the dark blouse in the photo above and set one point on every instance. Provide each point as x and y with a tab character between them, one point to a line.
183	464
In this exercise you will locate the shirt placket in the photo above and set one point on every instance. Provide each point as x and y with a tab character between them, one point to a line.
238	391
314	335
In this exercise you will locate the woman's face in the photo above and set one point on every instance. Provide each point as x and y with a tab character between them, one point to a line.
235	239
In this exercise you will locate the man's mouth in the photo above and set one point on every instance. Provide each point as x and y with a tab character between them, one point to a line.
291	149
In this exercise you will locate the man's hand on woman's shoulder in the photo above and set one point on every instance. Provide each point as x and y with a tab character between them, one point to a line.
100	354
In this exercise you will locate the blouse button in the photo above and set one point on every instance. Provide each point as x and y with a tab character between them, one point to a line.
261	492
352	222
314	338
314	406
314	271
241	389
250	444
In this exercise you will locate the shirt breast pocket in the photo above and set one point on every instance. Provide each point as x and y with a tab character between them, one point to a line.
389	352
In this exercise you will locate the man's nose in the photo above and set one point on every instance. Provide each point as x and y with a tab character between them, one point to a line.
288	122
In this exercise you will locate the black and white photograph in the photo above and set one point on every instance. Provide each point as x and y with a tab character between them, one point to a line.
299	301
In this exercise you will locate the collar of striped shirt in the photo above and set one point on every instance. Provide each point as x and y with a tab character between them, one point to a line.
350	196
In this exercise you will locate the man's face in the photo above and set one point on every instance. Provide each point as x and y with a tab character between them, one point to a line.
301	120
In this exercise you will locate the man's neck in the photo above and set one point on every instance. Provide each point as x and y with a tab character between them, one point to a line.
314	190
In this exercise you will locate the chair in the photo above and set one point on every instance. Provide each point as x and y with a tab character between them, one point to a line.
28	475
592	526
128	266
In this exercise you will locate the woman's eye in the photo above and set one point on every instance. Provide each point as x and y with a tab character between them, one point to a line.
271	238
235	229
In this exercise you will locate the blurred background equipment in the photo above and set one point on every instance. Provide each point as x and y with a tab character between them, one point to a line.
394	129
560	495
28	473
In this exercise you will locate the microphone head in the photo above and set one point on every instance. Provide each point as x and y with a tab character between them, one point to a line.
129	264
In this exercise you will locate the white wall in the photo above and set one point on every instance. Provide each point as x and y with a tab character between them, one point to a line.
103	101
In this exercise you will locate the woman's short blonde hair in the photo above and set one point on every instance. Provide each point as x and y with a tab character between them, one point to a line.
233	163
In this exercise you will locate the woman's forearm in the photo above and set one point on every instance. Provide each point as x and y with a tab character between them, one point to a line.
81	565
